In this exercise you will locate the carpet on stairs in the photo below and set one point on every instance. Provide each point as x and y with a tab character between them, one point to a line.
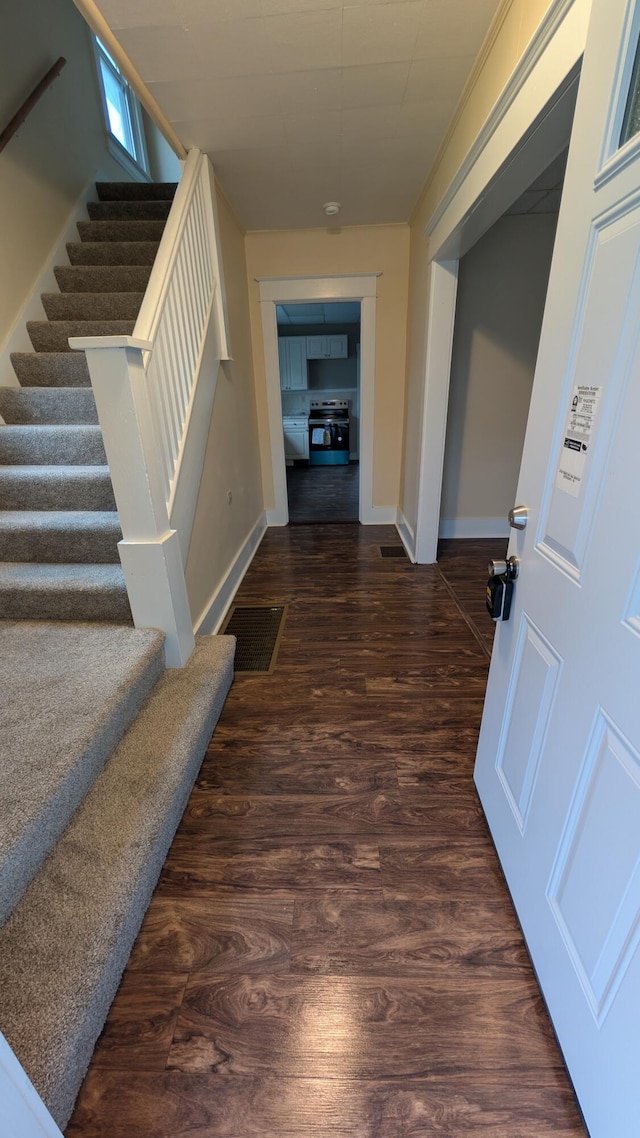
65	945
69	692
57	511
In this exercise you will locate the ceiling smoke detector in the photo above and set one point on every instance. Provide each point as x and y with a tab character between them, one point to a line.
331	208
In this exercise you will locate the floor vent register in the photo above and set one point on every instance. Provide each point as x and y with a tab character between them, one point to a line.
258	629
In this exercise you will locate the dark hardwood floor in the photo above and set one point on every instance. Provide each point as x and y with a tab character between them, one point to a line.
331	951
323	493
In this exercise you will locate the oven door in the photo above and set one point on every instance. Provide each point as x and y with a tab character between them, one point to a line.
328	434
328	442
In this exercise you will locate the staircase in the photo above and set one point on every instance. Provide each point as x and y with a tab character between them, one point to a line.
58	523
100	745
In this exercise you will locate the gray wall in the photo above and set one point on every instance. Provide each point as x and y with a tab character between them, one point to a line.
501	294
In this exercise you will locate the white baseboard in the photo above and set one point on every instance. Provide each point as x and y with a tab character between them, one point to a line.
213	614
17	339
407	536
380	516
474	527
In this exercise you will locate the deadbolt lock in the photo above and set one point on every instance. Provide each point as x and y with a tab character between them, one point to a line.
518	517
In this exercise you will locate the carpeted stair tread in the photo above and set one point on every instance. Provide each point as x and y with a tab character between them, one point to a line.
60	964
102	278
51	369
52	446
44	405
60	536
53	335
92	305
69	694
148	210
56	488
136	191
63	592
118	231
112	252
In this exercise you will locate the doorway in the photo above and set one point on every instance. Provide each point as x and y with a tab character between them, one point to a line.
319	355
501	293
502	287
359	288
512	156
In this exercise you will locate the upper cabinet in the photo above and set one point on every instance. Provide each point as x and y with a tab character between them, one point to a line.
293	363
327	347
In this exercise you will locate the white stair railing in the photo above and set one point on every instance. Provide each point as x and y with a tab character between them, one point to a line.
145	386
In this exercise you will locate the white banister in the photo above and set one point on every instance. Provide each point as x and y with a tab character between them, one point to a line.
145	387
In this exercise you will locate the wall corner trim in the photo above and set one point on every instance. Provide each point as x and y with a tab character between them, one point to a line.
215	610
407	536
551	21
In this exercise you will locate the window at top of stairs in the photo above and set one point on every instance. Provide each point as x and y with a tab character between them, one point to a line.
122	111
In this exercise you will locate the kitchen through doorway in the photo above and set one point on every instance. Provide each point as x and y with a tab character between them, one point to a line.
319	361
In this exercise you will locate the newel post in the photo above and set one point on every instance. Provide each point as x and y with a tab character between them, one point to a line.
149	552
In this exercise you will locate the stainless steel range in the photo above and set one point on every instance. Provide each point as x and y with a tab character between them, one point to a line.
329	432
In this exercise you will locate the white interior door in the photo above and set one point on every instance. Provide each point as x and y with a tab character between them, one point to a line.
558	766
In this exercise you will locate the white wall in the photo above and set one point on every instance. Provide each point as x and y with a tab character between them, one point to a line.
501	294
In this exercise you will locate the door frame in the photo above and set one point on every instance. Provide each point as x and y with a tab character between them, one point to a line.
528	127
308	290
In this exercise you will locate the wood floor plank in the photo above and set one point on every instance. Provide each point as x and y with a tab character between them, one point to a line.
190	934
473	938
235	767
291	815
280	868
360	1027
430	869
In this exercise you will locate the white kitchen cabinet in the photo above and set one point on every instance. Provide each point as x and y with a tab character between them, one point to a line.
292	351
296	438
327	347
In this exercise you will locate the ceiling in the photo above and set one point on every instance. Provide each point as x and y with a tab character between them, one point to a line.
301	102
347	312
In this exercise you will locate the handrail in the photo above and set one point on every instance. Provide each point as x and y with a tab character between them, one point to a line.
154	393
30	102
157	286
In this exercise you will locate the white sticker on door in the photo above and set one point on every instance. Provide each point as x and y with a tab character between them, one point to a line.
577	438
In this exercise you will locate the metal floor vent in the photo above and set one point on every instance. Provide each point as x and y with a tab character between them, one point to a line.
258	629
393	551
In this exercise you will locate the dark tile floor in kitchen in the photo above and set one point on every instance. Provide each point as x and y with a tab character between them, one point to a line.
323	493
331	951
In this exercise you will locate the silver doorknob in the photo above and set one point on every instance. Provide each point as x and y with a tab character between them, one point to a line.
510	568
518	517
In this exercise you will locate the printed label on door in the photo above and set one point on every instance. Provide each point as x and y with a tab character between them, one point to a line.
577	438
